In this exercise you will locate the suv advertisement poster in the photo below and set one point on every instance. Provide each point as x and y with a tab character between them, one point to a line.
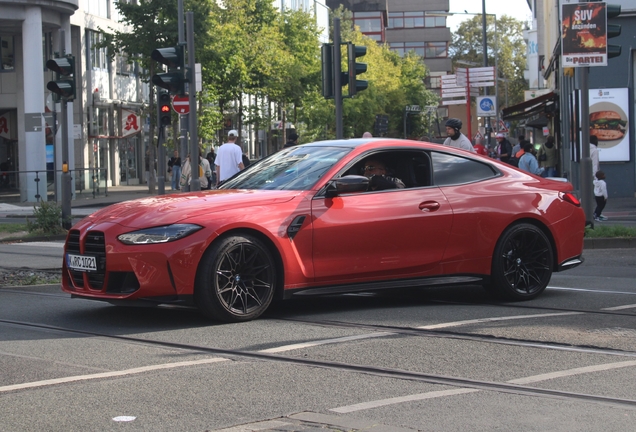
584	34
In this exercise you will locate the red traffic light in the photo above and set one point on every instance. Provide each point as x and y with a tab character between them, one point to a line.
165	108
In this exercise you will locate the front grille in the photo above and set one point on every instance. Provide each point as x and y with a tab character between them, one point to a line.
73	246
94	245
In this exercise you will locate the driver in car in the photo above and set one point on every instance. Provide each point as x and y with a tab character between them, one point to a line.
375	170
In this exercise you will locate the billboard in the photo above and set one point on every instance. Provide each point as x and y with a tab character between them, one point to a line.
584	34
609	117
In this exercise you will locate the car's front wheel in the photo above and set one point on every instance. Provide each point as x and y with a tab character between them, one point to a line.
522	262
236	279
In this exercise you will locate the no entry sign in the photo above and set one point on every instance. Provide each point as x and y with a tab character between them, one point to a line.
181	104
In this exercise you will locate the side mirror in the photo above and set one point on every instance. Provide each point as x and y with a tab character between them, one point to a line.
347	184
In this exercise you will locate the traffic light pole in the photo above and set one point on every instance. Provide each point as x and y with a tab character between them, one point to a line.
183	119
161	156
195	183
586	181
66	173
337	77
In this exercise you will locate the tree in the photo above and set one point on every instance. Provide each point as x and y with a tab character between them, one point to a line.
506	43
153	24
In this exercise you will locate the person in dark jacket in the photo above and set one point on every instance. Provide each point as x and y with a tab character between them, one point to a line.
292	140
504	148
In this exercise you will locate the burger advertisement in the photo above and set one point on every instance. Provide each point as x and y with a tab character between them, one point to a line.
609	122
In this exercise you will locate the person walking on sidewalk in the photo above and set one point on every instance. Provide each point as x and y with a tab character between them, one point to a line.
174	167
600	195
229	158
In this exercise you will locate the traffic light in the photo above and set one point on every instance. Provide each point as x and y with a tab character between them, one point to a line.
613	30
165	114
327	71
64	84
174	80
356	85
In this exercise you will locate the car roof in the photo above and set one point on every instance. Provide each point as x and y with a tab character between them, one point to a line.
372	142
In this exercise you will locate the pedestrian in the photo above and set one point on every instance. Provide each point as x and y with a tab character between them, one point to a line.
528	162
210	157
521	140
548	156
186	171
504	148
229	158
600	195
480	148
174	168
455	137
367	135
246	160
594	154
292	140
205	173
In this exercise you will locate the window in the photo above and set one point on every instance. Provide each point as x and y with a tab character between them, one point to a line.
370	24
123	67
453	170
400	20
98	58
47	49
423	49
97	7
7	51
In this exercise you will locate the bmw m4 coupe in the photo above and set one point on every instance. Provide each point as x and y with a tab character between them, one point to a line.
331	217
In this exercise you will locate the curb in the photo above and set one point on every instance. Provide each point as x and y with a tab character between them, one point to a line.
609	243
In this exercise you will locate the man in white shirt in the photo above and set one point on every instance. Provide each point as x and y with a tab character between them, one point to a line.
455	137
229	158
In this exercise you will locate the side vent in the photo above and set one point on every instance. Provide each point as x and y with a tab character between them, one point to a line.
294	227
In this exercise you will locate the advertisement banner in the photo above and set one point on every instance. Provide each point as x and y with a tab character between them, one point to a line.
609	116
584	34
5	126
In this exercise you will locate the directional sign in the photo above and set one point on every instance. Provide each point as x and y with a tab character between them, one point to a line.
181	104
413	108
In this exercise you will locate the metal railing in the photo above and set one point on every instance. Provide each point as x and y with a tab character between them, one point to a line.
87	180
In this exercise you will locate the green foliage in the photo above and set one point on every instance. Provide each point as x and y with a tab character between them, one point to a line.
47	219
610	231
10	228
506	43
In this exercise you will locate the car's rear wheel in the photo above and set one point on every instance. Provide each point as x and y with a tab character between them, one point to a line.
236	279
522	262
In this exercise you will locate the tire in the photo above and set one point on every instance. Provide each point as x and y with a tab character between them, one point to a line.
522	263
236	279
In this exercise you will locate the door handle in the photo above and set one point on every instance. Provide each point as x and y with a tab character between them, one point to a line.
429	206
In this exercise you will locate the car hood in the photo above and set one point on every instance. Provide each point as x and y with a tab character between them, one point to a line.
168	209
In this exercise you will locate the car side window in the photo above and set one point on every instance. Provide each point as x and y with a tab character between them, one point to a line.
413	168
450	169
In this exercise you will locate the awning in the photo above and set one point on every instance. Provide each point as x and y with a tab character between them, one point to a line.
538	123
529	108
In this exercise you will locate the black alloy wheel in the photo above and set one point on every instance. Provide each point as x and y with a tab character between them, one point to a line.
236	279
522	262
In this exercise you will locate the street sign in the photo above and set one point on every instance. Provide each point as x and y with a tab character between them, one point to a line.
502	127
486	106
181	104
413	108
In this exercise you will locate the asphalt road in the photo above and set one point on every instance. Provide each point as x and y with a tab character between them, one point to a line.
452	359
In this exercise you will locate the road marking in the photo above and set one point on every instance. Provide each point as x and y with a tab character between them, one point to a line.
487	320
324	342
615	308
591	290
113	374
40	244
458	391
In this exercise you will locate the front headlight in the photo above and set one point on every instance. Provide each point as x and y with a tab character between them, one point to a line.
162	234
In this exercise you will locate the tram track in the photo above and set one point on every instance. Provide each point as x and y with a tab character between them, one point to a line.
378	371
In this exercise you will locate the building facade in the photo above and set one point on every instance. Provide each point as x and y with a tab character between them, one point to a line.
105	124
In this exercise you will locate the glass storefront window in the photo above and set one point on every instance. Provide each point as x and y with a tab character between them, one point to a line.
7	51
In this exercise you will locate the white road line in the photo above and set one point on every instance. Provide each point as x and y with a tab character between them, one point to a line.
109	374
615	308
453	392
324	342
40	244
591	290
397	400
486	320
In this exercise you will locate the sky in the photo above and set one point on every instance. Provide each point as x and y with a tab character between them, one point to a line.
516	8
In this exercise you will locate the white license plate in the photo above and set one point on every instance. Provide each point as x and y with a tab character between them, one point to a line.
81	262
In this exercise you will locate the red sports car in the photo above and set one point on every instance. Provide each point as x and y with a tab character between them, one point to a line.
331	217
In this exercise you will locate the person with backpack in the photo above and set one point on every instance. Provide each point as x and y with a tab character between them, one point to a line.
548	156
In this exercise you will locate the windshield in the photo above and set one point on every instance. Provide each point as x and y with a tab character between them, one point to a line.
294	168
